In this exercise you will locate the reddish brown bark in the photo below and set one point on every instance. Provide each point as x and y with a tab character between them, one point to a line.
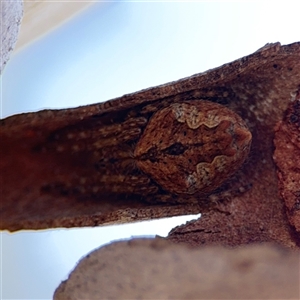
287	158
38	189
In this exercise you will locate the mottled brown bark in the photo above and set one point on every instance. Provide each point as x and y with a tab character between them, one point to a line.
53	172
259	214
287	158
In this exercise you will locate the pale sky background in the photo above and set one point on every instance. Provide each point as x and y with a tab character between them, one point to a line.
108	50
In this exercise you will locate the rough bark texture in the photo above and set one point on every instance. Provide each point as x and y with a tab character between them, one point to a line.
287	158
50	163
259	214
155	269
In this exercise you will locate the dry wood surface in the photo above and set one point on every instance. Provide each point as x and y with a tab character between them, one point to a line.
119	161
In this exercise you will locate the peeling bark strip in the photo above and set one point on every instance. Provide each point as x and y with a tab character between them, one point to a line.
88	166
